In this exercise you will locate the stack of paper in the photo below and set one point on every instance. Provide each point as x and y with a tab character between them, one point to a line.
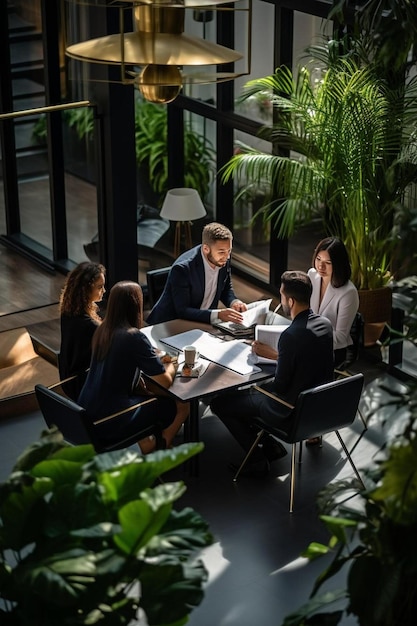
255	314
268	334
234	354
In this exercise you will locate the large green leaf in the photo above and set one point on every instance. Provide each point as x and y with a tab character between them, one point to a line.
398	488
310	612
172	579
139	523
86	528
21	514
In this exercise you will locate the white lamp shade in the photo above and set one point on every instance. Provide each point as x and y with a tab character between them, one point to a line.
182	205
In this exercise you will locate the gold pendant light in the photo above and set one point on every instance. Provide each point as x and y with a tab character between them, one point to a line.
158	55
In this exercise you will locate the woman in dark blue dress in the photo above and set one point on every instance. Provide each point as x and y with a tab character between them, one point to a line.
121	352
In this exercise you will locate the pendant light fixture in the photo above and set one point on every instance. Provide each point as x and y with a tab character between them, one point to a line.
158	56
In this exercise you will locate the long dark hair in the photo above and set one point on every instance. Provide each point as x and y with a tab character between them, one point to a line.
75	297
339	258
124	310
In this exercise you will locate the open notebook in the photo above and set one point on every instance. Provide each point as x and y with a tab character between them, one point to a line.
255	314
270	335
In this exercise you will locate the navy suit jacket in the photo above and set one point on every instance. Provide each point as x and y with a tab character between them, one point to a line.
184	290
305	359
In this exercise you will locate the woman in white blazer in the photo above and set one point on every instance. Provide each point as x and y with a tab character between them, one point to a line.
334	295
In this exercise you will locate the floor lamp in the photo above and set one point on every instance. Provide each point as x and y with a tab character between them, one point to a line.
182	205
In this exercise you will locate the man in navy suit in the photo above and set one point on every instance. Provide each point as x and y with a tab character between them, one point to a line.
305	360
198	280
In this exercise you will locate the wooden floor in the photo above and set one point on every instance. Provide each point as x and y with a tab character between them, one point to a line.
33	293
30	294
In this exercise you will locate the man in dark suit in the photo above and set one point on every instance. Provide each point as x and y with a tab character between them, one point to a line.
305	359
198	280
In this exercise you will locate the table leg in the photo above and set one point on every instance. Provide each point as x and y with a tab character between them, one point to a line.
192	433
396	348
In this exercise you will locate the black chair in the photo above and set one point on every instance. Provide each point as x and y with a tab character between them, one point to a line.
71	420
353	351
318	411
156	281
352	355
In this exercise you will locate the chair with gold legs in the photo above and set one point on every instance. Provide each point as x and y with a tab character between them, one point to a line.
317	411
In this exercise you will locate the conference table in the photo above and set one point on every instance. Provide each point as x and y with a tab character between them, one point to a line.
215	379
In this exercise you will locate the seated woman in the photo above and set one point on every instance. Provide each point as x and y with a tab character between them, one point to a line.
121	352
334	296
83	288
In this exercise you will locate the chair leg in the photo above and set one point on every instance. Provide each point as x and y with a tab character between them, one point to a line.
292	478
346	374
365	428
346	451
363	419
245	460
300	452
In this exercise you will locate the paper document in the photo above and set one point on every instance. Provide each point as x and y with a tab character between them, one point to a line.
255	314
232	354
270	335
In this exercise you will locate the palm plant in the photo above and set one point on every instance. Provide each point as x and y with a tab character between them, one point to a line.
350	156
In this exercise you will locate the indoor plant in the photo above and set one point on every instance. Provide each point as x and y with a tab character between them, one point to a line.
373	531
81	119
78	127
351	154
87	538
151	133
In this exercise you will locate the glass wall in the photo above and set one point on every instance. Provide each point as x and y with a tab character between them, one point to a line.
213	113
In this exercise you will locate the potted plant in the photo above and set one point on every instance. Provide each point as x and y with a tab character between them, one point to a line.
350	156
78	130
87	538
81	119
151	133
373	531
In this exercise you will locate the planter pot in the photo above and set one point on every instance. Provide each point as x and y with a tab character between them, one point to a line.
376	307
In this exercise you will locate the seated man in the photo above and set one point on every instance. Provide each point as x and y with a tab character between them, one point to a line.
198	279
305	360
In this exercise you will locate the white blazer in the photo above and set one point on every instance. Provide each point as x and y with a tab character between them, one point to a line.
339	305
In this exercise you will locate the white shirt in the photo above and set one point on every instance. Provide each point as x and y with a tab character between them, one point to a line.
211	277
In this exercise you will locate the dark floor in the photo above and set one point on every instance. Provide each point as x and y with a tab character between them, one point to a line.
256	575
255	572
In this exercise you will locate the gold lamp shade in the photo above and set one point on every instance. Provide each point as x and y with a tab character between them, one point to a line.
160	48
152	48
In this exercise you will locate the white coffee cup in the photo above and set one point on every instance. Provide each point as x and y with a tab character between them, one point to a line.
190	355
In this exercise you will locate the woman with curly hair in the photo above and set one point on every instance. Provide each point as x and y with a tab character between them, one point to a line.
83	288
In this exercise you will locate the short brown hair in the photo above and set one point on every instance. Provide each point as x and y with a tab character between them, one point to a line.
297	285
216	232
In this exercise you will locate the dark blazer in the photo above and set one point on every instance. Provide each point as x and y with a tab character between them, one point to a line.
184	290
305	360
